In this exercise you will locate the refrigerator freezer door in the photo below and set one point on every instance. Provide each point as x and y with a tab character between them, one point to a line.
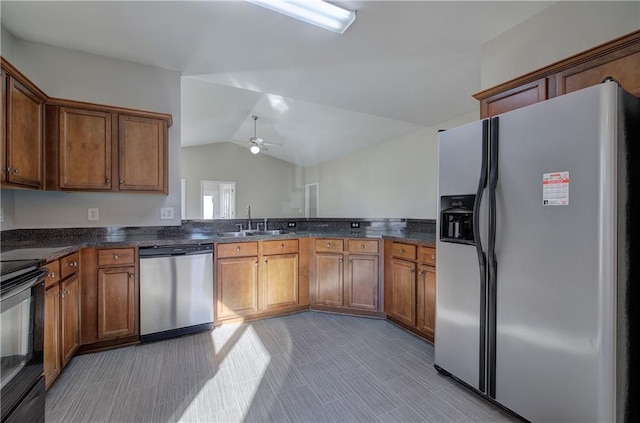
555	277
458	281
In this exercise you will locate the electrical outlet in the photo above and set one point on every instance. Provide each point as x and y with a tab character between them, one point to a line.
93	214
166	213
355	224
291	224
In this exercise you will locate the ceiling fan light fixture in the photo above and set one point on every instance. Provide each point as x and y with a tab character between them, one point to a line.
254	149
315	12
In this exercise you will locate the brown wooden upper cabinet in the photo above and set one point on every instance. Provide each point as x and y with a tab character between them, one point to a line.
22	130
90	147
619	59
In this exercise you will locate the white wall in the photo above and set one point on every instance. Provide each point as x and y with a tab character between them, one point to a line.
273	187
394	179
87	77
562	30
7	41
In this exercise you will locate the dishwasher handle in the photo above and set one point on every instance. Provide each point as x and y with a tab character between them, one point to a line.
175	250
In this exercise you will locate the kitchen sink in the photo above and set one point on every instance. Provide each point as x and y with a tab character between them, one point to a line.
241	234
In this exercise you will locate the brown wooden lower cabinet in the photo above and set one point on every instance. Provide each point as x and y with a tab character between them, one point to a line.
346	276
260	278
402	304
110	293
236	287
61	316
52	366
410	287
116	302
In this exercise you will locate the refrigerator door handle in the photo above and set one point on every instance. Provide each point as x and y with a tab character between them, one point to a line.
493	264
482	260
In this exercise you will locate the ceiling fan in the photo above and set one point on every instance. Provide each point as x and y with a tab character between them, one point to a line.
257	144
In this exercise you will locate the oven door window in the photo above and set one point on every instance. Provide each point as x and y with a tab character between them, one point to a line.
16	337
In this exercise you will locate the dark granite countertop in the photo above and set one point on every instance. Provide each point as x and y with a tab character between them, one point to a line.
54	248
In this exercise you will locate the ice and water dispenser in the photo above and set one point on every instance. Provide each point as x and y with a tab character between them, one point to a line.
456	221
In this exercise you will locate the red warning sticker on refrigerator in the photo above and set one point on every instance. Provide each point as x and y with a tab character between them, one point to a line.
555	189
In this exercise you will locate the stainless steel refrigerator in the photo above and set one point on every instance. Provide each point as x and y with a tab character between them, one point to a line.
537	265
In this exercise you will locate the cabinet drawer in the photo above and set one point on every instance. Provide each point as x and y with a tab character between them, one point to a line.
285	246
238	249
427	255
406	251
69	265
363	246
53	273
116	256
329	245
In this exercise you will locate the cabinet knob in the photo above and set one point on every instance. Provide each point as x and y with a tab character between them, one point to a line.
401	250
14	171
61	295
412	271
256	263
108	181
328	245
420	273
121	181
265	261
52	274
9	169
433	256
341	260
281	246
362	246
116	257
131	275
350	261
75	264
237	248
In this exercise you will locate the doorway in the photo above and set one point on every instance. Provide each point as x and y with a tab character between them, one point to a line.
218	199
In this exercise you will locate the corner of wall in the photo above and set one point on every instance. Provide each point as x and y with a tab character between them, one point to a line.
7	44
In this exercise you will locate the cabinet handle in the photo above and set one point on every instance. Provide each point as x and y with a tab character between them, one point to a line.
341	261
9	169
433	256
108	181
281	246
121	181
350	262
328	245
116	257
52	274
237	248
61	295
14	171
265	261
362	246
75	264
131	275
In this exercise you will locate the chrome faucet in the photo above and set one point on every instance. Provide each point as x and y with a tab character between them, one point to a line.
249	217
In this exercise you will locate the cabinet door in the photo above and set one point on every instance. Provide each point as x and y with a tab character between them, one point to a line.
116	302
69	318
85	142
280	281
403	291
25	111
51	334
514	98
236	287
3	128
142	147
362	282
426	301
329	279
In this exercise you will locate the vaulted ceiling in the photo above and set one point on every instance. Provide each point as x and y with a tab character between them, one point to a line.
401	66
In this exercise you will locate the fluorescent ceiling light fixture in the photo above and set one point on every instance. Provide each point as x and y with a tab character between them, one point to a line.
254	149
315	12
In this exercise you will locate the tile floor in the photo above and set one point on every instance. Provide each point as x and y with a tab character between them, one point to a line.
306	367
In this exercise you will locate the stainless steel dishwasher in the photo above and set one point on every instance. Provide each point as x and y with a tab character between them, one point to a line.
176	290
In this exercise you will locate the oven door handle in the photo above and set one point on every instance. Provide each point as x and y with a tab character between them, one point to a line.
27	285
